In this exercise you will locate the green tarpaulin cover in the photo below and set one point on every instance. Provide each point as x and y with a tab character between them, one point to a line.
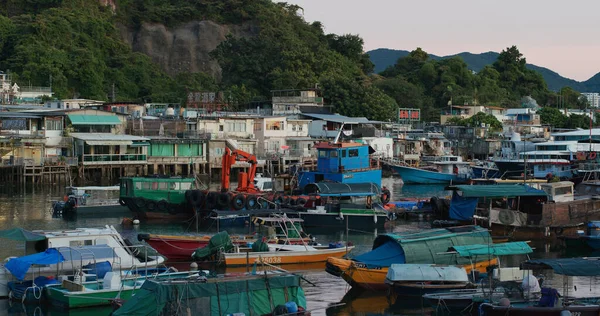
253	296
221	242
429	246
20	234
503	249
566	266
498	190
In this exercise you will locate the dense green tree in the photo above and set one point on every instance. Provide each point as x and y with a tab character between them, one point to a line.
478	119
552	116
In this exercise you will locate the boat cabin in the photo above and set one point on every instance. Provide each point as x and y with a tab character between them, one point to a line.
352	198
94	195
170	189
559	191
343	163
452	165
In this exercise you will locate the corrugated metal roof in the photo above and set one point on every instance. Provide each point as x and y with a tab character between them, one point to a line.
340	118
107	137
80	119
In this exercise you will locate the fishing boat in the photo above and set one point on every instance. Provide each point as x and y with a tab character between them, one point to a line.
268	294
485	170
79	247
71	294
414	280
369	270
589	239
340	205
523	212
181	248
449	169
89	201
506	277
157	198
260	251
551	302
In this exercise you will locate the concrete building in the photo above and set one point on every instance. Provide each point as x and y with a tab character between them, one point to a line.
466	111
291	102
70	104
593	98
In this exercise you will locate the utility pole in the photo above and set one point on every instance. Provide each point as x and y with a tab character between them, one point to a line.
113	93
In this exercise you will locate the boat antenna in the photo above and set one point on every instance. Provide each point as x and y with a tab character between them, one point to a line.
339	134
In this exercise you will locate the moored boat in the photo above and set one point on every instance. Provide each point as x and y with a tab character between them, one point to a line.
414	280
589	239
89	201
250	295
450	169
369	270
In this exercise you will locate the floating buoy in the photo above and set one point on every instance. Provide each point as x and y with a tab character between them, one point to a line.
193	266
136	222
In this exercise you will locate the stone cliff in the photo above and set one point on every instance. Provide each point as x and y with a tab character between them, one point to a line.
184	48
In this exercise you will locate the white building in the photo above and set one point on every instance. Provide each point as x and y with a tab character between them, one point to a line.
69	104
593	98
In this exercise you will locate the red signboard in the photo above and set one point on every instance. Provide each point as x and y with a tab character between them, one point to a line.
407	114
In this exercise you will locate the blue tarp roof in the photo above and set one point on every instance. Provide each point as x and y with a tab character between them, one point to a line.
566	266
19	266
383	256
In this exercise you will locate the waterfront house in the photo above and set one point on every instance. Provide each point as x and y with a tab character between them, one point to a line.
327	126
177	156
70	104
33	138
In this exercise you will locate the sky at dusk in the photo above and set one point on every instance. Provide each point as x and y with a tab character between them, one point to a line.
555	34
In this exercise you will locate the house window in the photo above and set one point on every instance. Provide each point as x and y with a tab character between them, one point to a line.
257	126
54	125
293	127
275	126
353	153
220	128
299	127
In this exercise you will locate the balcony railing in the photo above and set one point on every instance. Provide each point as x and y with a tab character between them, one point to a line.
114	158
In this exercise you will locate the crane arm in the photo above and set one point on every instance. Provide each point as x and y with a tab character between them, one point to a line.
229	158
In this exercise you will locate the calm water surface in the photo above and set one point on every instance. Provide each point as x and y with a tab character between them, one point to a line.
30	208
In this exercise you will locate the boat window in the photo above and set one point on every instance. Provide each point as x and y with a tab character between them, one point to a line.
147	185
185	185
333	154
101	241
162	186
323	154
353	153
343	151
138	185
563	190
79	243
267	185
174	186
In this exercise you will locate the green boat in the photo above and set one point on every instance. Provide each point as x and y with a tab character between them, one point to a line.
246	295
157	198
70	294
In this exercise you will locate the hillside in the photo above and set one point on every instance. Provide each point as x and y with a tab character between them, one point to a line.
383	57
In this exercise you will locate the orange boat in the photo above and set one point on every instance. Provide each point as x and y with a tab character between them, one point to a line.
284	254
369	270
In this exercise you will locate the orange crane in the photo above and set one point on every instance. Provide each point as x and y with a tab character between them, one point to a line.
245	180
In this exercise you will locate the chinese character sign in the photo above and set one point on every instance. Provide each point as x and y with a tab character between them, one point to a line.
409	114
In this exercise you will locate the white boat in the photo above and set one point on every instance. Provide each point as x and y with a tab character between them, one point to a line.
418	279
89	200
81	247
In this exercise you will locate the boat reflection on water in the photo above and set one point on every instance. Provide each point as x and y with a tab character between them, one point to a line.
214	266
358	302
16	308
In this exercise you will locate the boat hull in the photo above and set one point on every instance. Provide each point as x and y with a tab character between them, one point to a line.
534	232
402	291
180	248
511	168
412	175
485	172
284	257
358	275
583	310
86	299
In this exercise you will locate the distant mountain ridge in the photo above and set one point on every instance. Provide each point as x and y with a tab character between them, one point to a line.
384	57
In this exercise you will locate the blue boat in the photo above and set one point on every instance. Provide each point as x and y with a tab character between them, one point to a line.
588	239
450	169
485	171
347	163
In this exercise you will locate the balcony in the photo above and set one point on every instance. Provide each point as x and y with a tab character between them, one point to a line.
113	159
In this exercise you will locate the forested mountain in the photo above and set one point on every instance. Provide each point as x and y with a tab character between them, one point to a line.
158	50
383	58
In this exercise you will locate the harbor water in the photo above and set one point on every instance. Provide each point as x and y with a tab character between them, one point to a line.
29	208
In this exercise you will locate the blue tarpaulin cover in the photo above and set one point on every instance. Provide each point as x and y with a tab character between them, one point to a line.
462	208
383	256
19	266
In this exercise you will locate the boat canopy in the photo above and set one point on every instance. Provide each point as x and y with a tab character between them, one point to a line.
342	189
498	191
503	249
423	247
566	266
247	295
19	266
20	234
426	273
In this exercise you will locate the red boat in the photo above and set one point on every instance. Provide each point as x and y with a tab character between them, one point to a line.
180	248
